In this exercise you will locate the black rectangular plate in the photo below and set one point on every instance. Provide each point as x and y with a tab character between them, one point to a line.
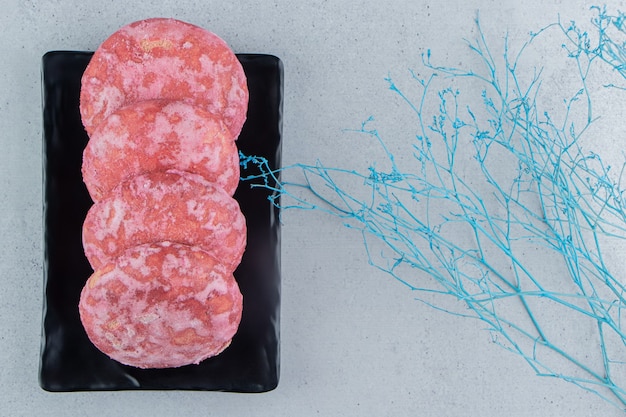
69	362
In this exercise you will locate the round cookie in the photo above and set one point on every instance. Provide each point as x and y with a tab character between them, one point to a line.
165	206
160	306
164	58
156	135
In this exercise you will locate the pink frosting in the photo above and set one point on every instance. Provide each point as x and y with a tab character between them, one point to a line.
169	59
165	206
161	305
158	135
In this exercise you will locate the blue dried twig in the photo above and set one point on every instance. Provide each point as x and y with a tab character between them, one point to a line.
472	234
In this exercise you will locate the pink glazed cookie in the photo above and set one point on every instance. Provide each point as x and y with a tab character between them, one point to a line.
165	206
168	59
157	135
161	305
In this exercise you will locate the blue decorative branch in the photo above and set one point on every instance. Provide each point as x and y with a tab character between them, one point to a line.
448	234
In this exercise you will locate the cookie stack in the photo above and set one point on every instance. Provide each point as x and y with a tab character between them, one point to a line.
163	102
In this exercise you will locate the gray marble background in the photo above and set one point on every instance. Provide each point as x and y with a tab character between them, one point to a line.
354	342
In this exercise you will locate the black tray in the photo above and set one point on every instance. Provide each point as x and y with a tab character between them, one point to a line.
69	362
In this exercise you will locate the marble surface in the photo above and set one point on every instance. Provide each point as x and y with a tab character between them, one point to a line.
354	342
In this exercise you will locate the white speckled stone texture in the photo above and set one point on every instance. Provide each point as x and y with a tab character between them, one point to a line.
354	342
